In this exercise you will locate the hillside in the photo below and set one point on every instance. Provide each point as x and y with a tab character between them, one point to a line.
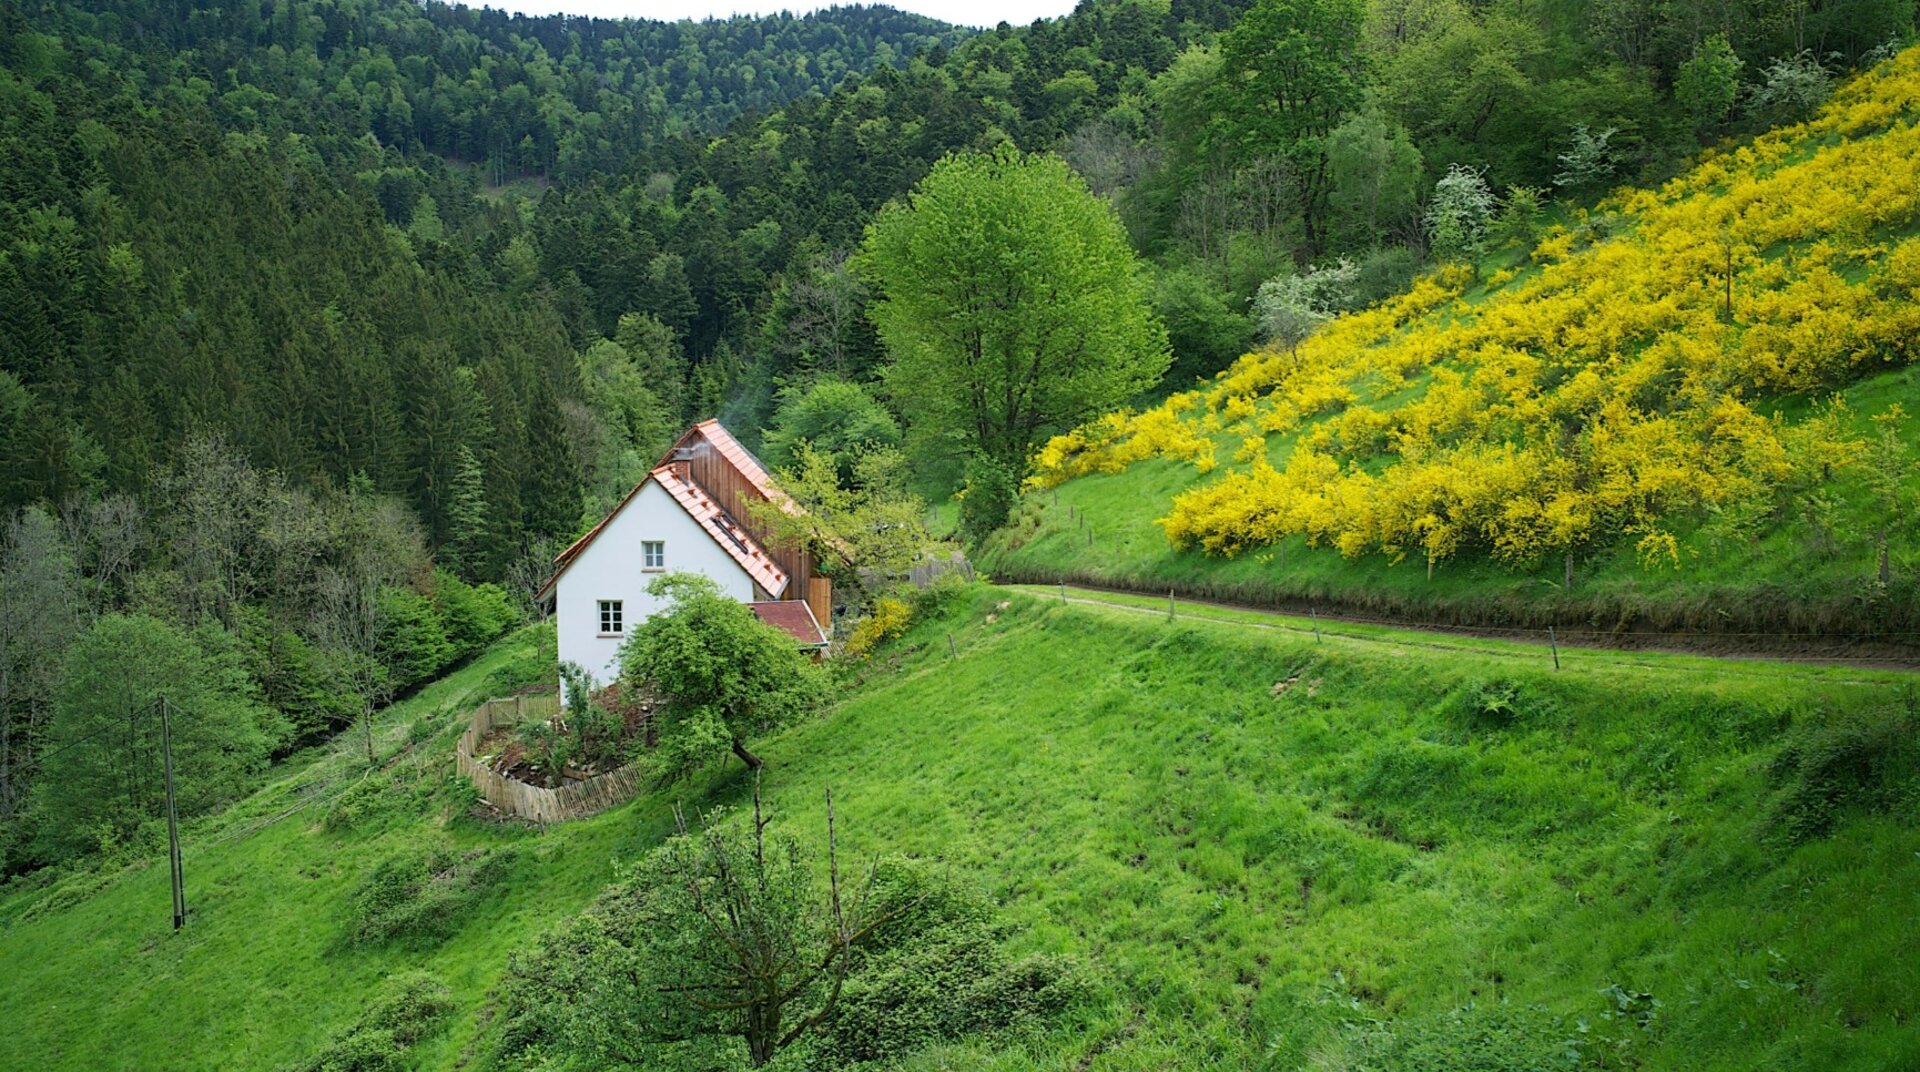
1275	853
1677	412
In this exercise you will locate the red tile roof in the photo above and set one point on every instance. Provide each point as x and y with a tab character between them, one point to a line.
793	617
751	470
725	531
700	506
740	458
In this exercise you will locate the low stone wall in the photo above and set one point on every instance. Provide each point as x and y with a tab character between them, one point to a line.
575	800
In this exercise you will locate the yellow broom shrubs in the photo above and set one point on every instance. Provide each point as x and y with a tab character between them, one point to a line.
1600	392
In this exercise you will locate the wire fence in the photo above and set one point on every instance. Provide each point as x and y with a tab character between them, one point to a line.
1892	647
1569	656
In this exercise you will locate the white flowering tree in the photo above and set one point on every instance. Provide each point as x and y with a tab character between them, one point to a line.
1459	214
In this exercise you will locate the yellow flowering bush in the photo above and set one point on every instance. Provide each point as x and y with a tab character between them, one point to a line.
1598	395
889	619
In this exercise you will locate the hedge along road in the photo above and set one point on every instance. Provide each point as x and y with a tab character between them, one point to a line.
1534	646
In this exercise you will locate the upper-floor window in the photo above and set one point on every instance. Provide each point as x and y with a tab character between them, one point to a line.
610	616
653	554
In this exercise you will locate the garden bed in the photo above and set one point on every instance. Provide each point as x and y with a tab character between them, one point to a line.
493	755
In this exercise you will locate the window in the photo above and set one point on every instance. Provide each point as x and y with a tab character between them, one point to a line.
653	554
610	621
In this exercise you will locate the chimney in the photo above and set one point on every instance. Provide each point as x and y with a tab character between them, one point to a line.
682	464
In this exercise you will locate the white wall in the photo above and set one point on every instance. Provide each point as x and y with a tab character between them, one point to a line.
609	568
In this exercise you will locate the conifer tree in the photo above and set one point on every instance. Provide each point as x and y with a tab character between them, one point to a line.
465	549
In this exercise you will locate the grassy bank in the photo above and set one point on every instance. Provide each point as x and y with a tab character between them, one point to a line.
1776	593
1275	853
1682	411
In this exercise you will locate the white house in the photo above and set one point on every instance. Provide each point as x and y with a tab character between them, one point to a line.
688	515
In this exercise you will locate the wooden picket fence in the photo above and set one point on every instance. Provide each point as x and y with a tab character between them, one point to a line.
574	800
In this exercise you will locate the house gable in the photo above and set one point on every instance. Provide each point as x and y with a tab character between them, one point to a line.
611	568
699	502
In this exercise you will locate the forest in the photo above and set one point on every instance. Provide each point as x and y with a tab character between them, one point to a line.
326	324
470	271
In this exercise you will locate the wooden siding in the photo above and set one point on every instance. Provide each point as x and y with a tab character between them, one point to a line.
820	601
716	475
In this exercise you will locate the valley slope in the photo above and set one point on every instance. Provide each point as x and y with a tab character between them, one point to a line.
1272	853
1681	411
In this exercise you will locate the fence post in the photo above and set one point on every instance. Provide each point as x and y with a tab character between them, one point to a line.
1555	641
1169	604
173	820
1315	611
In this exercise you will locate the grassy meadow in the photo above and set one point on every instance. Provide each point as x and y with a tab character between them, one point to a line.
1271	853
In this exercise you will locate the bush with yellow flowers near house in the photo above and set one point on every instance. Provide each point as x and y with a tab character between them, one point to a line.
889	619
1607	390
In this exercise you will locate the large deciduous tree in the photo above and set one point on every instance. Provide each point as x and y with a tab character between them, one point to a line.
1011	304
101	776
725	676
1290	70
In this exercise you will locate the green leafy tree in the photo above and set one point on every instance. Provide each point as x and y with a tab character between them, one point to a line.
723	676
1709	82
1518	222
1205	332
1375	174
1012	305
654	349
1290	72
839	420
987	500
867	518
752	944
101	778
728	944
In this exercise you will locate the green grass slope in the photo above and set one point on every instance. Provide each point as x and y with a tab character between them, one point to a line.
1274	853
1779	592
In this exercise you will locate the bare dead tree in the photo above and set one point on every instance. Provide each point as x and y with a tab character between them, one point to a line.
528	573
1111	160
213	495
751	949
106	534
824	300
39	616
374	544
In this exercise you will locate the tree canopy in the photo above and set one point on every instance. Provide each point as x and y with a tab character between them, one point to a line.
1011	305
725	676
101	779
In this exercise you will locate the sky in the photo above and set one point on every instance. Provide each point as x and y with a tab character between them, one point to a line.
959	12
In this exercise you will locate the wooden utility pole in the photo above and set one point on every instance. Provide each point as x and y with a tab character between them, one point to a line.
173	818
